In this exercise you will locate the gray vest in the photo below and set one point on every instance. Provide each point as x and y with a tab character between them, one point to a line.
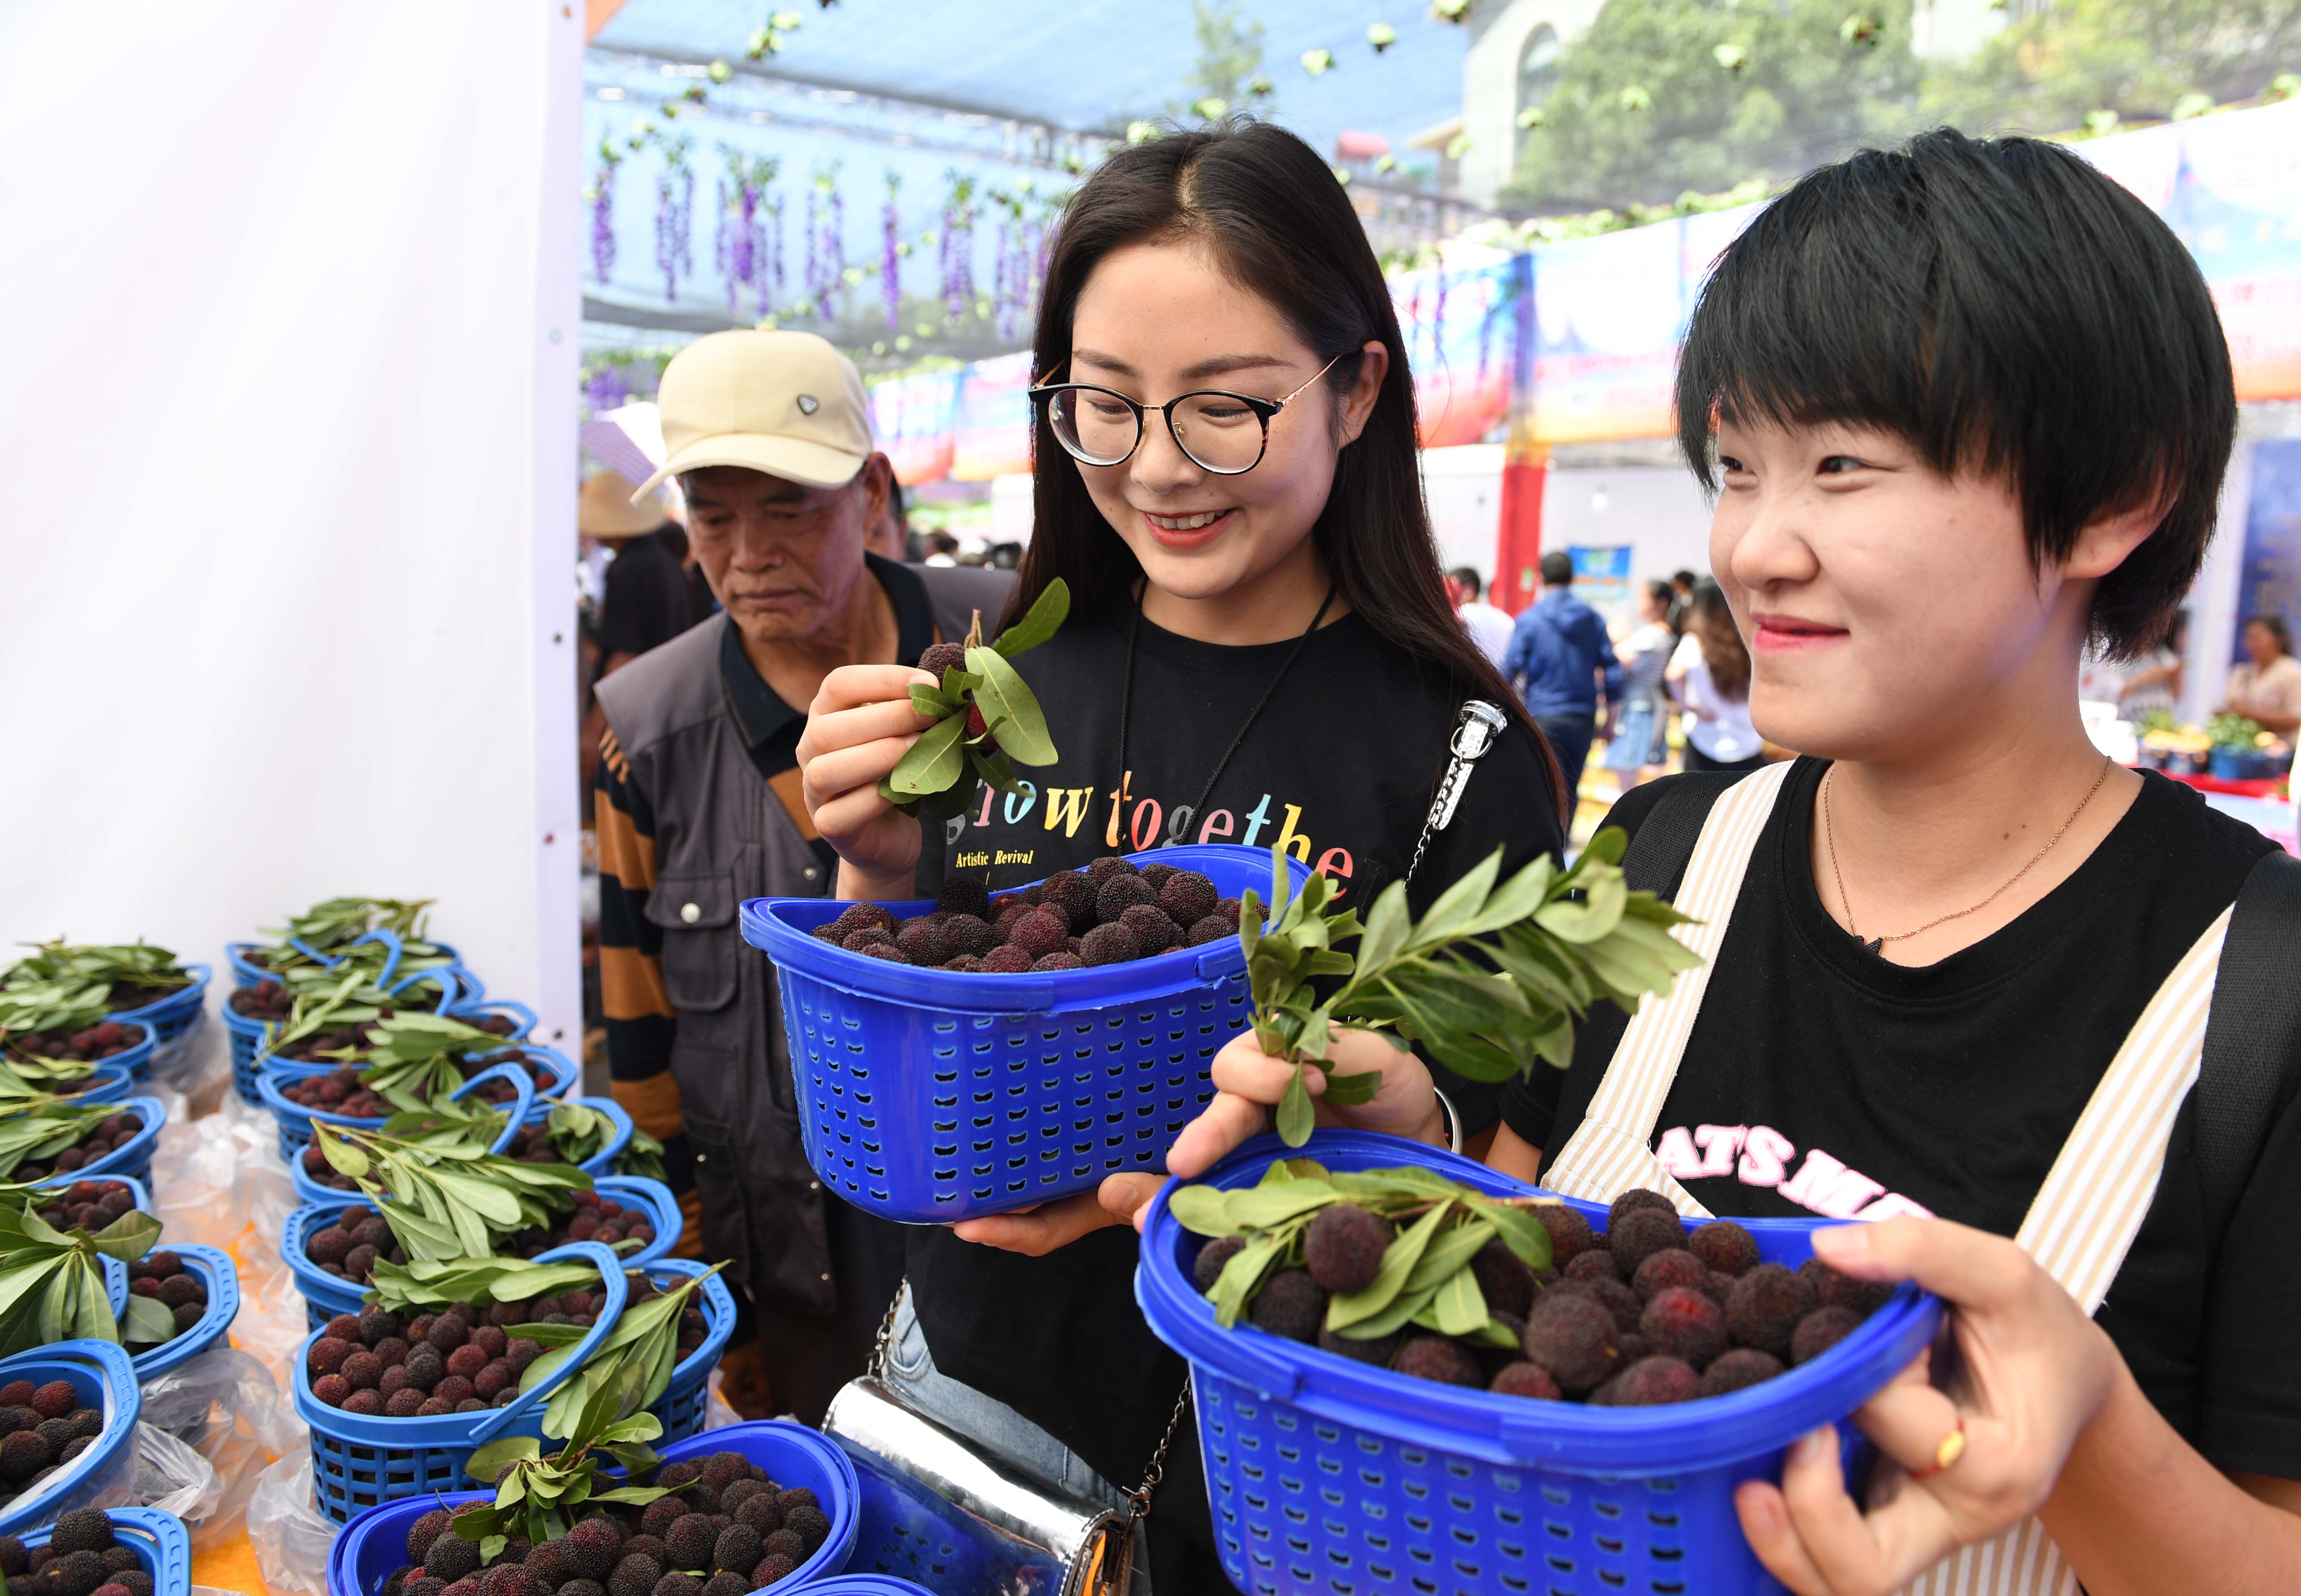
721	836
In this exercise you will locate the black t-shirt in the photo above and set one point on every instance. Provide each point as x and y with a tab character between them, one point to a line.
1819	1078
649	596
1341	763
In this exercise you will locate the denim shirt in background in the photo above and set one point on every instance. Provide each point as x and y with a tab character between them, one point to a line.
1556	653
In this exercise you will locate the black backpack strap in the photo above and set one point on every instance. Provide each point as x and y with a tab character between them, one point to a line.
2252	1034
1663	843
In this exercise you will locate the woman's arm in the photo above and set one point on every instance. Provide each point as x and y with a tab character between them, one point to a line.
2138	1511
2042	1417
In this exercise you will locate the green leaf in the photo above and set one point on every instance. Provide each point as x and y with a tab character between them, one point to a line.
1394	1316
1398	1261
491	1547
1295	1115
1044	618
129	1237
1453	1250
486	1463
1259	1208
1241	1276
1010	709
934	762
1199	1209
1521	1231
1595	917
929	701
149	1321
1347	1091
1456	905
1460	1307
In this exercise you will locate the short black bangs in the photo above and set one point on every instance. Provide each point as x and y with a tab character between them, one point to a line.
2006	309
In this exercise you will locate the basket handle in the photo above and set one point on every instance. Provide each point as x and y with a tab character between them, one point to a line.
451	991
390	940
519	1012
611	1277
171	1543
522	1084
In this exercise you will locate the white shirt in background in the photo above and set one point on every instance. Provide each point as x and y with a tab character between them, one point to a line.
1717	725
1489	628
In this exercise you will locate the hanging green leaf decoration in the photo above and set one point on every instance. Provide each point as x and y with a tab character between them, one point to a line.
987	719
1488	982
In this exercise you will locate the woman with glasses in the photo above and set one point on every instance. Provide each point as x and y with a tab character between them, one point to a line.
1261	651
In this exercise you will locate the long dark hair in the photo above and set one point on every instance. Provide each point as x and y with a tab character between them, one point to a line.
1272	212
1710	619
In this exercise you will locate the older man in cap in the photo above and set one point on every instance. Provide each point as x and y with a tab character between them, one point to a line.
698	808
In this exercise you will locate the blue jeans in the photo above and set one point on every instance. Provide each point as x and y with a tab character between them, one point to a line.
1569	736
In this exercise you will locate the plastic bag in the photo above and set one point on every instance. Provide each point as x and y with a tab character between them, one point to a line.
196	1067
224	1405
290	1536
172	1477
716	1414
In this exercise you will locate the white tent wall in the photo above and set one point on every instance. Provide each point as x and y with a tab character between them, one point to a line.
287	609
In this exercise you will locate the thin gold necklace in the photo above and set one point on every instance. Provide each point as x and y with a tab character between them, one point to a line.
1878	944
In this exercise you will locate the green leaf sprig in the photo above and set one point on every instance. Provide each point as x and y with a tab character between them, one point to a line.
333	926
52	1282
59	1004
136	964
1426	1278
987	719
537	1496
1488	982
579	1132
635	1361
443	1193
41	1130
414	1058
432	1283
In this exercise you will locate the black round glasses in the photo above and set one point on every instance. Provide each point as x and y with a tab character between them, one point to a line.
1222	432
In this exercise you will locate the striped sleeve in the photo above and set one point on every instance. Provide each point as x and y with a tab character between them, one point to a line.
640	1018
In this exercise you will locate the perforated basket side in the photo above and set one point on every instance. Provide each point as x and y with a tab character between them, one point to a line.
132	1159
104	1475
171	1015
216	1272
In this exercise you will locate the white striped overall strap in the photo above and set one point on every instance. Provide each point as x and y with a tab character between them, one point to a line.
2084	1220
1611	1151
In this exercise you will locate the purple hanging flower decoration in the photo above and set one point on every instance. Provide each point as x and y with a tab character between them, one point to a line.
813	281
834	273
674	209
605	389
891	259
771	279
603	223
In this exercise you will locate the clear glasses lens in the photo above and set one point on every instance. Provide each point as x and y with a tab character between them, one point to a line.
1214	430
1095	427
1218	432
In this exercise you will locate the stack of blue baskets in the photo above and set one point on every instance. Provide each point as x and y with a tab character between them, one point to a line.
932	1096
358	1461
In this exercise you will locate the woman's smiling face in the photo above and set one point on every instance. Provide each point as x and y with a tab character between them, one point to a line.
1155	321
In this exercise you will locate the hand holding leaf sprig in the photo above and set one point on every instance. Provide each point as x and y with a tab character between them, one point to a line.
986	717
1488	983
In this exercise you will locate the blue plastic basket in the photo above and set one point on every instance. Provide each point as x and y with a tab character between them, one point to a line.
930	1096
602	1162
865	1585
244	974
309	1190
474	1005
217	1273
326	1295
1329	1477
296	1120
162	1545
104	1475
171	1015
907	1528
358	1460
375	1543
107	1082
136	1188
132	1159
684	1400
250	1057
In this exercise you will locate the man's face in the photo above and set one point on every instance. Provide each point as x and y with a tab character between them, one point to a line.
781	558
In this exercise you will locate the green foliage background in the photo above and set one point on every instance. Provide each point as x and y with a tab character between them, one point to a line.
1664	96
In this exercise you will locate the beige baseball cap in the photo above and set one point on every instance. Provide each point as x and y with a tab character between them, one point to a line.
787	404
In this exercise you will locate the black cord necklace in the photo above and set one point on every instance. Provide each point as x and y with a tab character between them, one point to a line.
1181	819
